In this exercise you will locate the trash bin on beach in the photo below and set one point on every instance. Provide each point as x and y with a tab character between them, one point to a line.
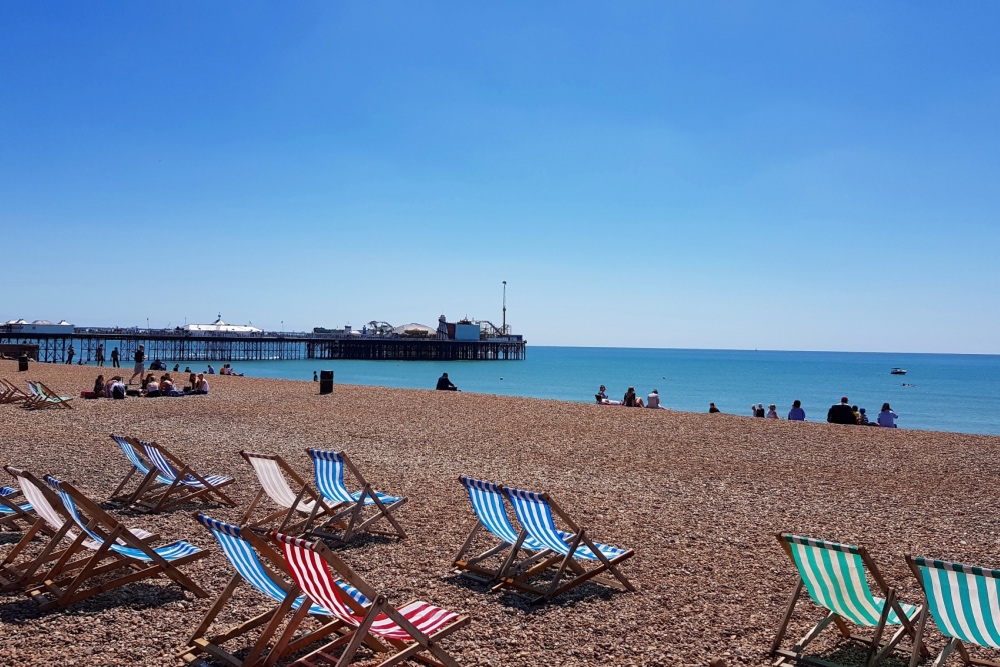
22	363
326	382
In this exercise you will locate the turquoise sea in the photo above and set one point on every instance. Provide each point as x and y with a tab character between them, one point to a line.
949	392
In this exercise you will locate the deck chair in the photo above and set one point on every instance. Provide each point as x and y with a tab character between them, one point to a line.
10	393
109	538
298	509
329	471
257	563
570	549
411	631
23	567
12	510
963	603
835	576
46	398
491	514
184	483
151	481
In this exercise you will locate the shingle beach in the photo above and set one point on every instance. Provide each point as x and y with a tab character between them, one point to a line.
698	497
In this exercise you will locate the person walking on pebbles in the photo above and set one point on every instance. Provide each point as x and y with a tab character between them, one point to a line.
140	363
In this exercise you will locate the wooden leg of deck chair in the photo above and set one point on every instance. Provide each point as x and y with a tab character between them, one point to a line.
260	645
114	494
776	644
386	511
796	652
874	655
468	542
378	606
253	505
217	606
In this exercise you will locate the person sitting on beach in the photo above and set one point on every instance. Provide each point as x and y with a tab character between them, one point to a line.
759	411
887	418
841	413
797	414
653	400
177	368
99	386
630	400
857	414
444	384
712	409
863	418
144	382
772	412
187	369
602	398
152	387
116	388
211	371
199	385
166	384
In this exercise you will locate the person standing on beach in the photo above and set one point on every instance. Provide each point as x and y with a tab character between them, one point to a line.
841	413
444	384
140	363
114	358
99	355
69	354
797	414
315	377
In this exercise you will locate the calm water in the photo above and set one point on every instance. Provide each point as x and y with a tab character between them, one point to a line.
950	393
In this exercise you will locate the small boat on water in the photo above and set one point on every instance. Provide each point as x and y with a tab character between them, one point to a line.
897	371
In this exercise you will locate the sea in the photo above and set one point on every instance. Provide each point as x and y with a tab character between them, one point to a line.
940	392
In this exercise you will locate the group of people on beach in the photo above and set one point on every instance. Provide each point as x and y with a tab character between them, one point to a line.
839	413
150	387
630	399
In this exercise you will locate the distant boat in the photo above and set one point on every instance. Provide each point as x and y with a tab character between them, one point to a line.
897	371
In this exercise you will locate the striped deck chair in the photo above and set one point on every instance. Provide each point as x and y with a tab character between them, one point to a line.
9	393
570	549
299	509
61	553
835	576
963	602
185	484
47	398
406	632
491	514
329	471
12	510
151	481
257	563
109	538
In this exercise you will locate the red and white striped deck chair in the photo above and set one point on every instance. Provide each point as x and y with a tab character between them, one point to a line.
299	509
411	631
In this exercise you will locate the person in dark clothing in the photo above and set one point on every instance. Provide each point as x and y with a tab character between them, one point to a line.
114	358
841	413
69	354
712	409
99	355
140	363
445	384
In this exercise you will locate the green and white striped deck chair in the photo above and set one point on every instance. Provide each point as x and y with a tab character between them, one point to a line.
836	577
965	604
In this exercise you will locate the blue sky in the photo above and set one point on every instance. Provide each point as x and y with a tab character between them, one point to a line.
775	175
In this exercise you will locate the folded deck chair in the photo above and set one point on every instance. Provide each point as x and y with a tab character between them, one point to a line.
410	631
299	509
47	398
491	514
835	576
12	510
151	482
257	563
61	553
329	470
963	602
109	538
184	483
570	549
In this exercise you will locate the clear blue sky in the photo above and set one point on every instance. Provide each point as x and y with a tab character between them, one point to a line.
779	175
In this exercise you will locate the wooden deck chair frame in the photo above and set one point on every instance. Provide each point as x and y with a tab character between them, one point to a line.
294	519
955	644
61	554
417	647
186	484
265	650
566	559
353	510
489	507
51	399
111	536
12	394
151	481
891	606
13	509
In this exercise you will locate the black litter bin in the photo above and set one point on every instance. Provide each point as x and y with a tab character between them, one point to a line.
326	382
22	363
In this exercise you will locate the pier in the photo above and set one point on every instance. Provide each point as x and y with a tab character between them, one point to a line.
179	345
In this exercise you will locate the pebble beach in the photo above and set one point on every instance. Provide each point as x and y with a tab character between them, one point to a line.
698	497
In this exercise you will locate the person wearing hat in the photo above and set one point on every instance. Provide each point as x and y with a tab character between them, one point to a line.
841	413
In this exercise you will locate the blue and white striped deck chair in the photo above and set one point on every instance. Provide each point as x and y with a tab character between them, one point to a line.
12	510
361	508
571	549
259	564
490	509
964	602
185	484
150	483
110	539
836	578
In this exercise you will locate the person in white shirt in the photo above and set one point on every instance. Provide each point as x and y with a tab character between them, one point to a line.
653	400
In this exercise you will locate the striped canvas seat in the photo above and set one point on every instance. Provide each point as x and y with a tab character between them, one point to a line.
170	482
276	486
6	509
136	460
836	577
964	602
156	457
329	471
488	505
310	565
